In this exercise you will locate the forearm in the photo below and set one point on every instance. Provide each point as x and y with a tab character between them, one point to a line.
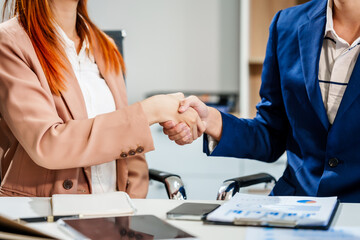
80	143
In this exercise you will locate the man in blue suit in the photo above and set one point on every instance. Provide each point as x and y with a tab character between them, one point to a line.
310	104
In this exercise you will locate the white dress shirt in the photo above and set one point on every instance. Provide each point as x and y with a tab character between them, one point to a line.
337	61
98	100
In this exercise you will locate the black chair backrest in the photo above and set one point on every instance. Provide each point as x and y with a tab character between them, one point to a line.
118	36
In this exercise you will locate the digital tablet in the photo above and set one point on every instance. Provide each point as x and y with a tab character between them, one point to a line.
144	227
191	211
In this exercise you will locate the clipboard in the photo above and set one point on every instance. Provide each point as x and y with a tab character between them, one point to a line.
264	220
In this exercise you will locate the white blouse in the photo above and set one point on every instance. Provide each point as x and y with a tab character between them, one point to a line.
98	100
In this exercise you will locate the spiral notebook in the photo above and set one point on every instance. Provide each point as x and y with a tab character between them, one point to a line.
273	211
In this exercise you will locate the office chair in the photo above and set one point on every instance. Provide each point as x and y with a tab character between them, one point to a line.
231	186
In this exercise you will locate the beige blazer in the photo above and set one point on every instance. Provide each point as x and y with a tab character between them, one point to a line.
47	143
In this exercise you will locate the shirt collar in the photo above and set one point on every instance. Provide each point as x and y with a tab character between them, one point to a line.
329	29
329	19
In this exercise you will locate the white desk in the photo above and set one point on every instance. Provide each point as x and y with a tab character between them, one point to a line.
347	215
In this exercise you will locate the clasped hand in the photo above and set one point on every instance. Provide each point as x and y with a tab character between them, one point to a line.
194	114
183	119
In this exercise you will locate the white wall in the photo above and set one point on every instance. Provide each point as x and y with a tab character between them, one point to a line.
174	45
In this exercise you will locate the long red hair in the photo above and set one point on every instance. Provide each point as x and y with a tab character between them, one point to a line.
37	19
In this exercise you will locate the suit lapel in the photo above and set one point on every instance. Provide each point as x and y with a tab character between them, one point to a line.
311	36
351	93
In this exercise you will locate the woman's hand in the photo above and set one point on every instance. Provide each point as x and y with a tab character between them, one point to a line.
210	117
164	108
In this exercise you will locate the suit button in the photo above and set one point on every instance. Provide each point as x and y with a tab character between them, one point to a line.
333	162
132	152
123	155
131	234
123	232
68	184
140	149
138	236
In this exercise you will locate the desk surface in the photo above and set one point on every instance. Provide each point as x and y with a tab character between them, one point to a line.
347	215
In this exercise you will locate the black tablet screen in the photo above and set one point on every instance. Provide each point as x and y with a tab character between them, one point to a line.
138	227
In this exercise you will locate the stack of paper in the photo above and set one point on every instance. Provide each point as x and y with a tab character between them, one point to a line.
245	209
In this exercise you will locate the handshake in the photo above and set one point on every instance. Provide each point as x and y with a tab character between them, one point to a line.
183	119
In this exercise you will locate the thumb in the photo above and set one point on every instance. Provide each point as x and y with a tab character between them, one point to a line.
190	101
184	105
168	124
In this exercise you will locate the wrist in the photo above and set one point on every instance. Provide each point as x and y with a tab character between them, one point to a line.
214	124
150	108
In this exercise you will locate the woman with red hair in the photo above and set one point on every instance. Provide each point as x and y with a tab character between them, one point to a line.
65	126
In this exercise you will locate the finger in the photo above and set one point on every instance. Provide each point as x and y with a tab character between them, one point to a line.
200	126
168	124
180	143
182	135
190	101
175	130
194	131
184	141
187	140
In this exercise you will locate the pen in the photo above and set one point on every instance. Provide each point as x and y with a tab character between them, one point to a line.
46	218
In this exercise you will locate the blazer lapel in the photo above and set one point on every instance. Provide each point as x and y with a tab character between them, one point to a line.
311	36
112	80
73	96
351	93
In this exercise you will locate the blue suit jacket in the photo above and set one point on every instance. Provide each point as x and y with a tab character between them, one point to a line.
291	115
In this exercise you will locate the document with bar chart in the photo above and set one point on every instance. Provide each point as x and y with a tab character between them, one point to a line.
274	211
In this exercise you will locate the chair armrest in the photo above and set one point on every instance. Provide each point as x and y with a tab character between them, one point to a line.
173	183
233	185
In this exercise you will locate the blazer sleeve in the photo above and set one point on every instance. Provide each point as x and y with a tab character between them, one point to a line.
28	108
264	137
138	177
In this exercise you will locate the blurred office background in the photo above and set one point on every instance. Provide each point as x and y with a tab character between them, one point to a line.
205	46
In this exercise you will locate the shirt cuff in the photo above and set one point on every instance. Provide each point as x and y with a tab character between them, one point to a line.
212	143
